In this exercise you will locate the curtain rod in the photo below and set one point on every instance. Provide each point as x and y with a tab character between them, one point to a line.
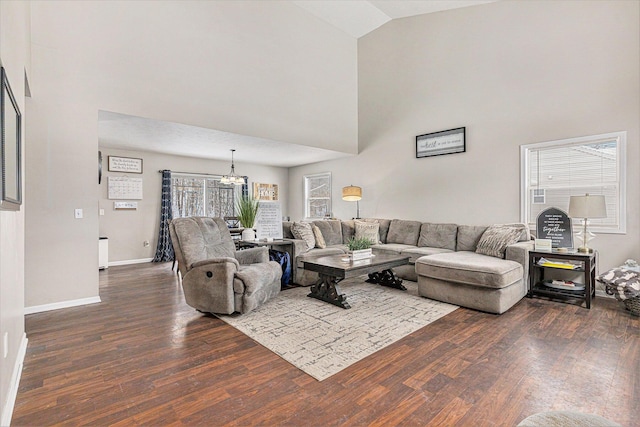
192	173
196	173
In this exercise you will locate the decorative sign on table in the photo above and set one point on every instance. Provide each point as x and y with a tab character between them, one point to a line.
443	142
125	164
554	224
265	191
269	221
124	187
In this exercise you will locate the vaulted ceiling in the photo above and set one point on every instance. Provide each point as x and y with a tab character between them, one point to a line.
354	17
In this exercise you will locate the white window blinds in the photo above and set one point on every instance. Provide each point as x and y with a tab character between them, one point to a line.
553	171
317	195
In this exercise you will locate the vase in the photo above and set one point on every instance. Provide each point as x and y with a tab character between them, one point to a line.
248	234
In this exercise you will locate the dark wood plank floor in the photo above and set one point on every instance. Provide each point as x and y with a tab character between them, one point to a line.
143	357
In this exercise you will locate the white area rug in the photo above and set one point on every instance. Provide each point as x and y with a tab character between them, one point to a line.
322	339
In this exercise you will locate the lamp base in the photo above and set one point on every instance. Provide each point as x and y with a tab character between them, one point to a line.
585	250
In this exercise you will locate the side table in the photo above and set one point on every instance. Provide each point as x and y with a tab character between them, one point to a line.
282	245
541	277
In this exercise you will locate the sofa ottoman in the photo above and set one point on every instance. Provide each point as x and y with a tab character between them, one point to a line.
471	280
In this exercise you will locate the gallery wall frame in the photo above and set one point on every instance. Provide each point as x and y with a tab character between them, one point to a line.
266	192
440	143
125	164
10	148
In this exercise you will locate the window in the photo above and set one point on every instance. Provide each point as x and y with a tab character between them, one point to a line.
553	171
317	195
198	195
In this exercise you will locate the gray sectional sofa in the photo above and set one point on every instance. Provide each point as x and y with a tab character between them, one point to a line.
442	260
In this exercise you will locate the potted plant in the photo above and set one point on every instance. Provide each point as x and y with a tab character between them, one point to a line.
359	248
247	211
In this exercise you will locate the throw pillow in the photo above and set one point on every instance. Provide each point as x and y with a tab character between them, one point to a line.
369	231
317	233
303	231
621	282
496	238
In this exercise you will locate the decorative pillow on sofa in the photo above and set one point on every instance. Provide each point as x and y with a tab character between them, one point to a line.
303	231
496	238
383	224
320	243
369	231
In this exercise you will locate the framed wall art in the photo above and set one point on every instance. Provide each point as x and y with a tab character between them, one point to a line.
10	148
125	164
438	143
267	192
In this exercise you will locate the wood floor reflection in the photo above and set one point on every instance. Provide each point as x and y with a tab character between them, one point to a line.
142	356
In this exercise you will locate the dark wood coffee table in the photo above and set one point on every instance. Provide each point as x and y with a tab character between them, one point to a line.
335	268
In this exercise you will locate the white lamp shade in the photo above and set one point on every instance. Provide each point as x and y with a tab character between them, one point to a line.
587	206
351	193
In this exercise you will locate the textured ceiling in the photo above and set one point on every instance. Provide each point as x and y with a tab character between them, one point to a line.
141	134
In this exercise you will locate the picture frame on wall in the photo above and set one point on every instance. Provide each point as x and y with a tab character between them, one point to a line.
10	148
266	192
125	164
439	143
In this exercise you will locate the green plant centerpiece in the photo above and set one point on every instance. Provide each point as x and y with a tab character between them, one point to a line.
247	210
359	248
358	244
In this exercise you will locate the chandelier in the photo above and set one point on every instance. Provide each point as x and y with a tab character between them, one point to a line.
232	178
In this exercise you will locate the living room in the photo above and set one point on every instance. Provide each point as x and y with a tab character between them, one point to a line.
511	73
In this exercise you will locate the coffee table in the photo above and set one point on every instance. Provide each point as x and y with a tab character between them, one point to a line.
335	268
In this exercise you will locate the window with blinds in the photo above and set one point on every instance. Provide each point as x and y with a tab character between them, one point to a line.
197	195
553	171
317	195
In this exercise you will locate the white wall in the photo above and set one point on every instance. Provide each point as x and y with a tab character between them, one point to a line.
15	57
266	69
127	230
512	73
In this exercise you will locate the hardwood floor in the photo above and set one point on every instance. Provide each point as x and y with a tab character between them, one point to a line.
143	356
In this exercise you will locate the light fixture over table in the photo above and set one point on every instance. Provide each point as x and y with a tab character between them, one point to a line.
586	207
232	178
353	194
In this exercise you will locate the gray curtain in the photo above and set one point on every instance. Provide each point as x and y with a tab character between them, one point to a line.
164	250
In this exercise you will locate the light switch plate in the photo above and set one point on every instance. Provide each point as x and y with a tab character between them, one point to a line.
78	213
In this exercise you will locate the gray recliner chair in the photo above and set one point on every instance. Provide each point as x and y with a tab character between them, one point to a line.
215	277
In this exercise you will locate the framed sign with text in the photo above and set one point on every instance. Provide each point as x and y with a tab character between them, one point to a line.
554	224
267	192
439	143
125	164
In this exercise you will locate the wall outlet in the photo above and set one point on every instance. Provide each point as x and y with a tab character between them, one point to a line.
101	212
78	213
5	344
145	243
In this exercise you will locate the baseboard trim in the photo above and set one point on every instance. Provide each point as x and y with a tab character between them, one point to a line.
59	305
130	261
7	411
603	294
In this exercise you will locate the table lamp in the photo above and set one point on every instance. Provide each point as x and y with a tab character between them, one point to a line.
586	207
353	194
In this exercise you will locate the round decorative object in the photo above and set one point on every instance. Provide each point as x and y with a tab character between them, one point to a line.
99	167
